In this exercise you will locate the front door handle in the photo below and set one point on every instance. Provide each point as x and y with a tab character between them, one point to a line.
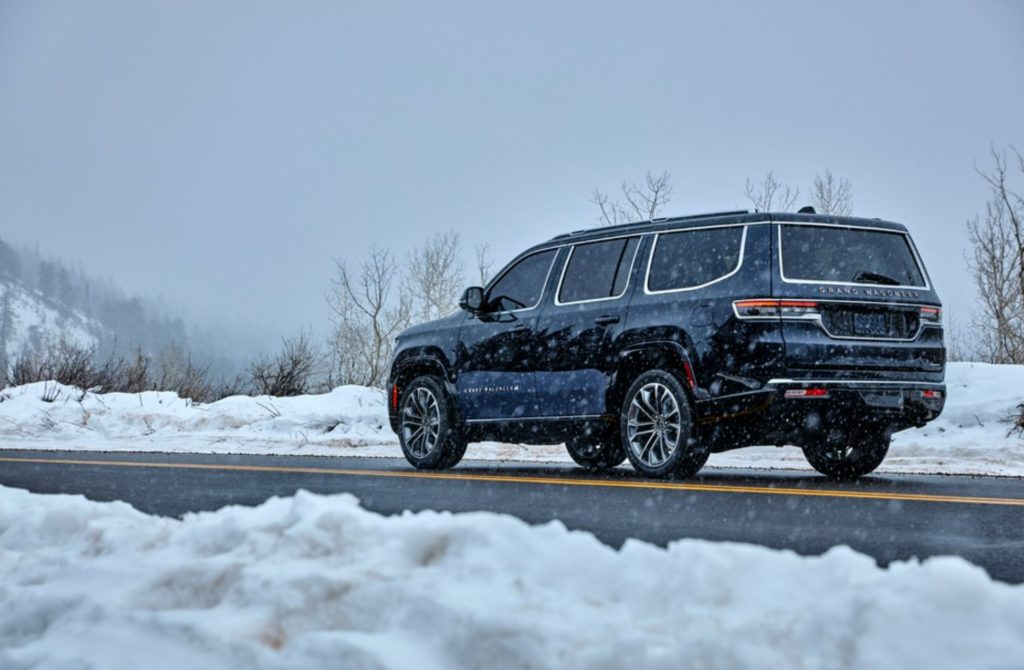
518	329
606	320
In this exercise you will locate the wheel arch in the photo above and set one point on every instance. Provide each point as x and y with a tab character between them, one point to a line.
668	355
415	363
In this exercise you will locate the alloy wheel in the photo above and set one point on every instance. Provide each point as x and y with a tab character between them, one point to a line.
421	422
654	424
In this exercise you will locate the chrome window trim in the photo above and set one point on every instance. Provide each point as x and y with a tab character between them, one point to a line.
554	247
906	235
641	234
644	233
654	247
516	261
919	261
565	268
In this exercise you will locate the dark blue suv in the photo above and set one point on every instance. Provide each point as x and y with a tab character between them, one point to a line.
664	341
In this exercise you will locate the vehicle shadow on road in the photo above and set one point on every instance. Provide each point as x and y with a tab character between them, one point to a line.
709	476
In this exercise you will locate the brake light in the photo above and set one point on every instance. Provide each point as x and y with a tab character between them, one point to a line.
931	394
931	315
807	393
763	308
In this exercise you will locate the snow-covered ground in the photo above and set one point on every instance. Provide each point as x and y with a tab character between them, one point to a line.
316	581
971	437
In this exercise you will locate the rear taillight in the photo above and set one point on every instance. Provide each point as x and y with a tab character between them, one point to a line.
931	315
931	394
807	393
763	308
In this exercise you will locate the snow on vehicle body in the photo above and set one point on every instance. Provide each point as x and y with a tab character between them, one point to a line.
666	340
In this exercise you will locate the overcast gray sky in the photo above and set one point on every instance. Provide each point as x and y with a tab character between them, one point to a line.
220	154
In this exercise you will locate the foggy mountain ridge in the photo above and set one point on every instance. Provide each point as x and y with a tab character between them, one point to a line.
28	320
43	300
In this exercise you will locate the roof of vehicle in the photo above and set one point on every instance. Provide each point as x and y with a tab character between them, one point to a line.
698	221
714	219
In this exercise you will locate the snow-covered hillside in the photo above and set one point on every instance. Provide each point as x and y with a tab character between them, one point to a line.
44	301
315	581
971	437
29	320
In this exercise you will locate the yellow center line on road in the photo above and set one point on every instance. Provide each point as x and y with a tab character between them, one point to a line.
529	479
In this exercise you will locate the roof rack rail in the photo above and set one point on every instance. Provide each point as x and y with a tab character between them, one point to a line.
662	219
733	212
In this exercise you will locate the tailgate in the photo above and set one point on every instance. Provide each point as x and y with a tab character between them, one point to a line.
861	300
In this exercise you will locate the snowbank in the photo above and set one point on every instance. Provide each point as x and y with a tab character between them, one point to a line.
971	436
65	417
316	581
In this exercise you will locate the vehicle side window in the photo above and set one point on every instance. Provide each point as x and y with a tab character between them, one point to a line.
520	287
597	270
692	258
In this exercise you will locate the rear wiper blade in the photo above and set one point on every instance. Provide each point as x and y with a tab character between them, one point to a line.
876	278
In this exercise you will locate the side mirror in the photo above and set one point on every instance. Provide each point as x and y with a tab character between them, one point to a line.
472	300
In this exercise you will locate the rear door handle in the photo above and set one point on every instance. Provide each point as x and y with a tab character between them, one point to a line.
606	320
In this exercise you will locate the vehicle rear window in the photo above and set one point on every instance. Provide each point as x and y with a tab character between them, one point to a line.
692	258
598	270
829	253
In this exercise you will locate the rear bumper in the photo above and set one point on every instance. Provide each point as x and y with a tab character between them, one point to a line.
770	415
901	403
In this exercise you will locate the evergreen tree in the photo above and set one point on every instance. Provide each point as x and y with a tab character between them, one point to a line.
7	323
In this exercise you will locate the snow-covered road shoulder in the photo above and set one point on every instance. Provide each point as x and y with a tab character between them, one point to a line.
50	415
972	436
313	581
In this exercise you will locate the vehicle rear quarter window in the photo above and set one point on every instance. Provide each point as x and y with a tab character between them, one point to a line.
691	258
598	270
853	255
520	287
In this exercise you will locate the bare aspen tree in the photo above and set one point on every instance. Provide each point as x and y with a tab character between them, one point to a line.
642	202
770	195
832	196
434	278
957	346
368	311
996	261
349	339
483	262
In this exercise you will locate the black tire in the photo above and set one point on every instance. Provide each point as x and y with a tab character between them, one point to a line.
671	450
596	450
427	431
849	455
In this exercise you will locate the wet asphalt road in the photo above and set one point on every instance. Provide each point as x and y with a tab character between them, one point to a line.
888	517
